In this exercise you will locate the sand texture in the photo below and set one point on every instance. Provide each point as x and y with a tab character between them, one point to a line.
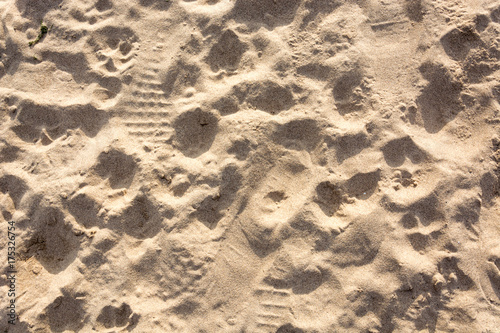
251	166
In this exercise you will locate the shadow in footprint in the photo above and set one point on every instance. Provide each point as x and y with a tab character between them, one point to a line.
65	313
117	166
11	55
56	120
428	209
307	281
212	208
226	105
348	145
298	134
459	41
316	7
112	316
179	76
227	52
493	272
424	210
51	241
439	100
270	12
155	4
85	210
495	14
74	63
362	185
103	5
350	91
328	197
396	151
36	9
265	95
195	131
14	186
415	10
450	265
141	218
289	328
489	187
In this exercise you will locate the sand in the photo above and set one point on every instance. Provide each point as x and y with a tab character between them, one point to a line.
250	165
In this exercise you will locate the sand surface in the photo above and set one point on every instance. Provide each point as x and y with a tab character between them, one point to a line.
258	166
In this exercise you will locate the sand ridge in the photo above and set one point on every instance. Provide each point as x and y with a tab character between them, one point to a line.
251	165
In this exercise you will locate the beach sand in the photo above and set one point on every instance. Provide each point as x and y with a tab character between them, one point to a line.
258	166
